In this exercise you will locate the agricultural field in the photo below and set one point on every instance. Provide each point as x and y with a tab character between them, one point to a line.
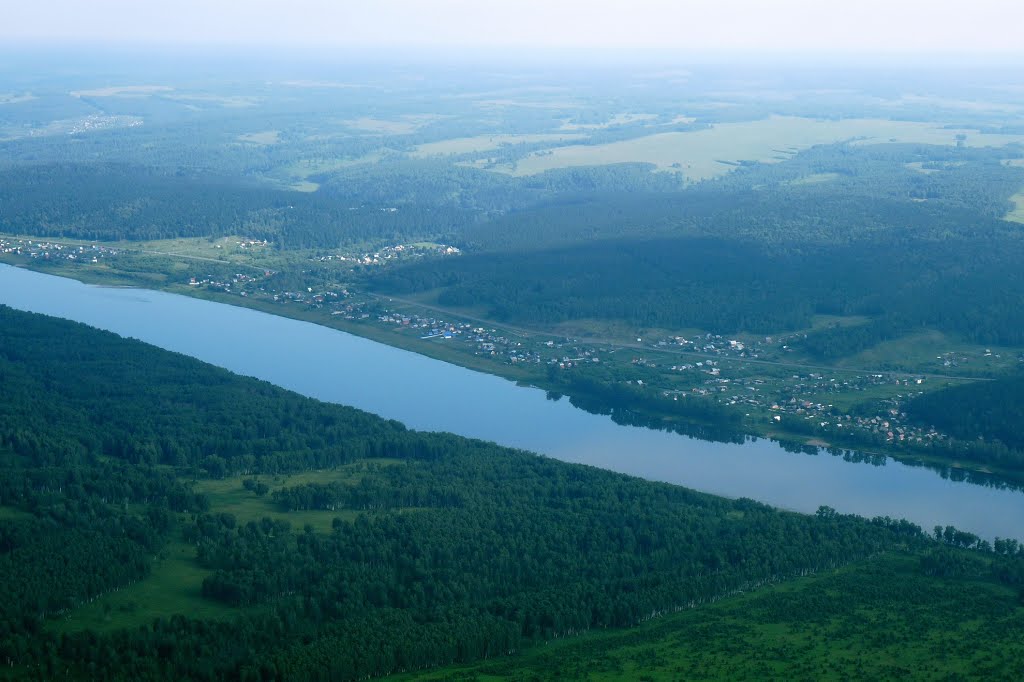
715	151
267	137
483	143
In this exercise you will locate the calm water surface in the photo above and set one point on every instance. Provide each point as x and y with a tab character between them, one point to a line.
432	395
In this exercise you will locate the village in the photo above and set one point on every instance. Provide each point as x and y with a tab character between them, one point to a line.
54	250
389	253
748	374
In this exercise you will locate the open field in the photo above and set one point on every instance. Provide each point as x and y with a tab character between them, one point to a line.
175	584
926	352
9	98
228	496
174	587
226	101
122	91
297	174
403	125
12	514
482	143
835	625
263	138
816	178
1017	214
618	120
715	151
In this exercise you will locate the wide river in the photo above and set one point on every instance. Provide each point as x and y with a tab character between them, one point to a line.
432	395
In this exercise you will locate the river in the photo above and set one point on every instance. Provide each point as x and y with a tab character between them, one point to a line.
432	395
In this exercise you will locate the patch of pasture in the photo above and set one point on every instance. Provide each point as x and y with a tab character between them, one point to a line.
708	153
483	143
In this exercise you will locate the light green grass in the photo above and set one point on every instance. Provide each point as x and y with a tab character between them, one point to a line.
296	175
122	91
822	321
402	126
618	120
12	514
1017	214
482	143
227	495
816	179
175	584
921	352
173	587
11	98
712	152
267	137
225	101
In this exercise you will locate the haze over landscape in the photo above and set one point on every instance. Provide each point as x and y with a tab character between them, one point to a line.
907	27
511	340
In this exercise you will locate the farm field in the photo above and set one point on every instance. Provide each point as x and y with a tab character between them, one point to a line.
715	151
482	143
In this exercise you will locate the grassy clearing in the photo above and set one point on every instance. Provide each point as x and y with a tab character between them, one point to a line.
122	91
296	175
12	514
919	167
926	352
175	584
226	101
816	179
1017	214
876	620
822	321
712	152
618	120
482	143
388	127
227	495
265	138
11	98
174	587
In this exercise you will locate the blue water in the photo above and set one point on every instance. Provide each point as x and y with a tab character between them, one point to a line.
432	395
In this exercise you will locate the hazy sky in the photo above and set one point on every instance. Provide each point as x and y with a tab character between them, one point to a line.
777	25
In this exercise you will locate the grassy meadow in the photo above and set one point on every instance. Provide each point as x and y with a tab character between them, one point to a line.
715	151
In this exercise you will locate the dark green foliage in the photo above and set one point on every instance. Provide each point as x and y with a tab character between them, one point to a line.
836	342
992	410
460	550
109	202
725	286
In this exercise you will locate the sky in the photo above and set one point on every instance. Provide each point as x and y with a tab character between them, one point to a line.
846	26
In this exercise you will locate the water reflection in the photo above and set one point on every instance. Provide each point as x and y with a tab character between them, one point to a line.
431	395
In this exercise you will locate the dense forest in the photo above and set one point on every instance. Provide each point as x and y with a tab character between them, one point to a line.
442	549
728	286
992	410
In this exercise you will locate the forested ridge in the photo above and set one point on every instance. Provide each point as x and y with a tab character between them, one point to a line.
728	286
447	550
992	411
